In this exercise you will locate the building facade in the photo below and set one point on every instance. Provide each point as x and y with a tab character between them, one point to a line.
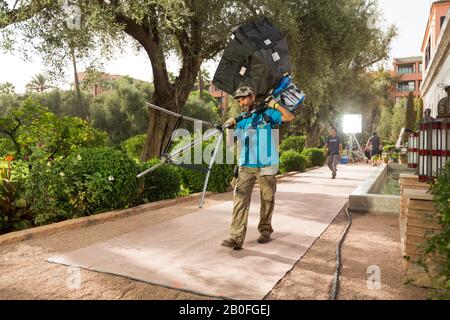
436	55
407	75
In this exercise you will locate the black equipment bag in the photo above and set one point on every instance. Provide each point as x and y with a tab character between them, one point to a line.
257	55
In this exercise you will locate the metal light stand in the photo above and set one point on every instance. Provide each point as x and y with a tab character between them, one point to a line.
358	155
169	157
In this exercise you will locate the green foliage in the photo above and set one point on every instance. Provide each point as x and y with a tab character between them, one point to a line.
162	183
418	107
30	124
398	119
410	116
52	99
59	136
332	44
99	179
292	161
6	147
394	156
8	102
45	189
384	127
133	146
39	83
72	105
219	179
314	157
389	148
440	243
122	113
14	210
221	173
89	181
296	143
200	108
7	88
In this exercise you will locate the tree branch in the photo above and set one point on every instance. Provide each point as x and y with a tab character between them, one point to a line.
23	13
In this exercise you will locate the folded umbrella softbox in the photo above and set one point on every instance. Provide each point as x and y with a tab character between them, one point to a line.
257	55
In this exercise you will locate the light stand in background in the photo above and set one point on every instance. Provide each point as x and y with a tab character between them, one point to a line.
351	126
358	154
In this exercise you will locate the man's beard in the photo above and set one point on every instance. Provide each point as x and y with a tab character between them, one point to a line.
246	108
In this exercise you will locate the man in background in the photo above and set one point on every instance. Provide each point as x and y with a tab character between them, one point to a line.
374	142
333	148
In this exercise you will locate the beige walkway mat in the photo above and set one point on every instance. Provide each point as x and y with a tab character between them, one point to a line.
185	253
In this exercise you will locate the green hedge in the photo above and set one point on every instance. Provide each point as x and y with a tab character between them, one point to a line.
162	183
439	244
89	181
133	146
292	161
314	157
219	179
296	143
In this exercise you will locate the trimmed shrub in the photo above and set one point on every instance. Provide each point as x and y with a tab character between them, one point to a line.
314	157
162	183
292	161
89	181
15	213
219	179
133	146
296	143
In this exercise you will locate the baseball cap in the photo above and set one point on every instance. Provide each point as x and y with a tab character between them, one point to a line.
244	92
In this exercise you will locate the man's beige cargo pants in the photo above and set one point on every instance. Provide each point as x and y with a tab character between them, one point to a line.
243	187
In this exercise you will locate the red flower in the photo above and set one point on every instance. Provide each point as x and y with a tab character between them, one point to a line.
9	158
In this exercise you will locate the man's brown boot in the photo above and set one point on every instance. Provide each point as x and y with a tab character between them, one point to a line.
263	238
230	243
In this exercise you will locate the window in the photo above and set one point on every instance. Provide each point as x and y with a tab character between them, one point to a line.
420	66
428	54
406	86
406	69
442	20
420	84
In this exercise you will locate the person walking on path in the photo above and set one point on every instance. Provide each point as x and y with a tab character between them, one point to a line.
258	161
374	143
333	148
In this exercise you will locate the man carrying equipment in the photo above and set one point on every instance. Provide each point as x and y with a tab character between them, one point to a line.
258	161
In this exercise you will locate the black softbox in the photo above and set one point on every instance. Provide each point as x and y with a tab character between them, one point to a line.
257	55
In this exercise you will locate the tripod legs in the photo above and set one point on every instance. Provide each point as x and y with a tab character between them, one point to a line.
211	162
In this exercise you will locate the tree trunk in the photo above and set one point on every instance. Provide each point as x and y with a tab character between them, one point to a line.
170	96
313	135
81	108
161	125
200	83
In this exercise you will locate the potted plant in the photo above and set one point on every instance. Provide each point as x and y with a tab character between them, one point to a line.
393	157
375	159
403	158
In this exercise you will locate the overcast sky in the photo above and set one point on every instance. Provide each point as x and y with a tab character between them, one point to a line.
410	17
